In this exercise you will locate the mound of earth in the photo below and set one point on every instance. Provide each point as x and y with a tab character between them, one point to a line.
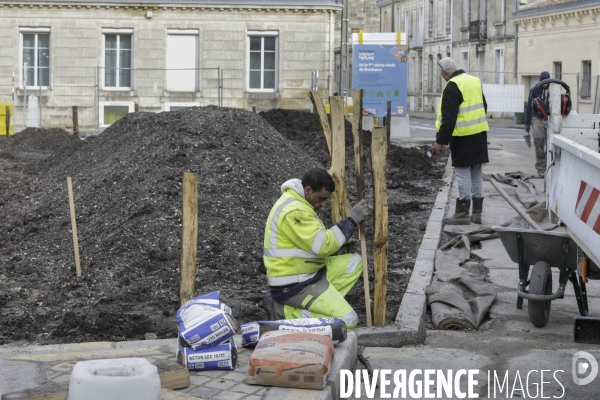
127	190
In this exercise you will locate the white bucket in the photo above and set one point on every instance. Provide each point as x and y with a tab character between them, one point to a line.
115	379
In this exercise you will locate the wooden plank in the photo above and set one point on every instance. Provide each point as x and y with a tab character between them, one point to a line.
360	188
172	375
74	227
50	391
189	237
380	224
315	97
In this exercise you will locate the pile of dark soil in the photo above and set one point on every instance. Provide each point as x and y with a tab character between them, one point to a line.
127	187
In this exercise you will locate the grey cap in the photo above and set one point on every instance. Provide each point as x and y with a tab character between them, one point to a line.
447	65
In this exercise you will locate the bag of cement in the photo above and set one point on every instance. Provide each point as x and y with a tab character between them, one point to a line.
202	326
221	356
291	359
214	299
335	328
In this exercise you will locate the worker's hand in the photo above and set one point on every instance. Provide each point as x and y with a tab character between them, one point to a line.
527	128
359	211
436	149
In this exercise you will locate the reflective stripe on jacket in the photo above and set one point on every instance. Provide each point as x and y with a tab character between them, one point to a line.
471	117
296	243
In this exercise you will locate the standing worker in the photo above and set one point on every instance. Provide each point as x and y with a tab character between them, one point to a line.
539	123
462	124
305	279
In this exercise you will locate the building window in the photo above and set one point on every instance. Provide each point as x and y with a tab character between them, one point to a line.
440	78
499	66
35	46
558	69
586	79
464	60
262	71
431	20
117	60
179	106
182	60
448	14
407	22
465	13
430	75
111	112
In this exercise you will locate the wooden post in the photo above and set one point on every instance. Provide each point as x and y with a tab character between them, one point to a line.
254	109
74	227
7	121
75	121
360	188
380	228
136	107
322	114
388	122
189	237
339	199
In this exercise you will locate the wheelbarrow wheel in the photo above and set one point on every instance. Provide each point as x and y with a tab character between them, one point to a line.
540	283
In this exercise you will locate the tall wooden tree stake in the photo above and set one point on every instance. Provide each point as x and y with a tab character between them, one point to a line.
359	168
189	237
379	148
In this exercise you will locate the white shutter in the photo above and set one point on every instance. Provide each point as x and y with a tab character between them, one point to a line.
182	63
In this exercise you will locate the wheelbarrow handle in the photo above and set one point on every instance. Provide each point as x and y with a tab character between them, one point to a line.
514	205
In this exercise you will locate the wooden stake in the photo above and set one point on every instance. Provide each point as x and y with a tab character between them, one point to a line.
360	187
75	121
315	97
340	203
189	237
388	122
74	227
7	121
254	109
136	107
380	239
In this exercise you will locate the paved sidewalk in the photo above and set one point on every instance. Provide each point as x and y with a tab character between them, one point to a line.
23	367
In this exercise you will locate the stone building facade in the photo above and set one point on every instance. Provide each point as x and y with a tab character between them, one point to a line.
561	37
107	57
478	34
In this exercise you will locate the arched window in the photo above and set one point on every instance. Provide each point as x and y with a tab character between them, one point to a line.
439	77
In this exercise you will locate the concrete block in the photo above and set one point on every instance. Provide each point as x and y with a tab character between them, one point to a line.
423	254
420	277
433	229
430	244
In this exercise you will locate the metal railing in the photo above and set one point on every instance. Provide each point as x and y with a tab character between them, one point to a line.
478	30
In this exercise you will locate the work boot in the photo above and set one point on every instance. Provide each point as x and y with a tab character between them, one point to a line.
461	214
477	208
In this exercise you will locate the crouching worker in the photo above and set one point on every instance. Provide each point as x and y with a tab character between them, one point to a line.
305	279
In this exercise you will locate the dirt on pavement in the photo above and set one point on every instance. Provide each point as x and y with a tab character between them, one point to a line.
127	190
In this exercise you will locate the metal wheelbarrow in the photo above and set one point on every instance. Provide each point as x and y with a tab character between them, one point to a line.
543	250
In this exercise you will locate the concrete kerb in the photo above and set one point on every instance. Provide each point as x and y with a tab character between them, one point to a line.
409	327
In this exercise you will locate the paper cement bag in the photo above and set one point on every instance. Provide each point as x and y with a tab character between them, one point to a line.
291	359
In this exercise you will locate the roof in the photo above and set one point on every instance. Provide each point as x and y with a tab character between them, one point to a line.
215	3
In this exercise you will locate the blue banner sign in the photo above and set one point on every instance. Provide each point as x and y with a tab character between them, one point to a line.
380	70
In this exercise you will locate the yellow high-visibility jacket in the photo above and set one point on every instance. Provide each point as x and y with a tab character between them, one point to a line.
471	114
296	243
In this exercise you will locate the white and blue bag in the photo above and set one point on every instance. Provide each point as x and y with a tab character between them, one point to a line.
335	328
205	322
222	356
